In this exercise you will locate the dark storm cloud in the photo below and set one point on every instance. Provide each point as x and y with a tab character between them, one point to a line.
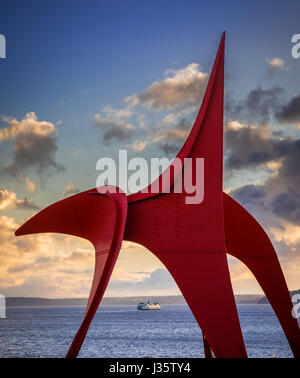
172	137
169	148
289	170
282	187
117	129
34	151
247	147
258	105
249	194
35	145
287	205
290	112
116	132
27	204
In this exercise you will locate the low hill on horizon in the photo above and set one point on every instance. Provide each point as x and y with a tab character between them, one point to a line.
111	301
123	301
264	299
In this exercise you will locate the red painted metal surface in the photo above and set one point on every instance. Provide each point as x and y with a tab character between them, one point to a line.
247	241
191	240
101	220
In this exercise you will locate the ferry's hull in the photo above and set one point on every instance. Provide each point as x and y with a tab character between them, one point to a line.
149	307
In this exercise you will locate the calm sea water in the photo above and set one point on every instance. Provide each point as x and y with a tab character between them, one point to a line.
123	331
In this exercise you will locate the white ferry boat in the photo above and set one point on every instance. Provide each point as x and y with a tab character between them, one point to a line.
148	306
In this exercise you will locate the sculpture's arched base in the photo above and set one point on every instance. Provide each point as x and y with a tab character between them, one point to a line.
203	277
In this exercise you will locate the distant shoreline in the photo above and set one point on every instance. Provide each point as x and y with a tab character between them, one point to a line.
119	301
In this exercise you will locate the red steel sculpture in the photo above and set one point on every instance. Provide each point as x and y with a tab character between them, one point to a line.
191	240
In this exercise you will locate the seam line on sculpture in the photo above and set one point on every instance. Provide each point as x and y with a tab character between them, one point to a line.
102	252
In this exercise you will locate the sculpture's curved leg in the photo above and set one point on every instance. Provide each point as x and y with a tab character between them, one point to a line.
205	284
247	241
193	254
207	349
99	218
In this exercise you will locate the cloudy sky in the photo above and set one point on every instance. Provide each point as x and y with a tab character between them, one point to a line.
83	79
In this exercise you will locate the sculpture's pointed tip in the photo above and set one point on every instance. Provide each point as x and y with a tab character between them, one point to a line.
222	43
223	37
20	230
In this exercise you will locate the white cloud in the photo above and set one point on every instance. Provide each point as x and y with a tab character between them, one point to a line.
29	125
69	189
30	185
8	199
182	87
116	114
275	65
234	125
288	232
139	145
